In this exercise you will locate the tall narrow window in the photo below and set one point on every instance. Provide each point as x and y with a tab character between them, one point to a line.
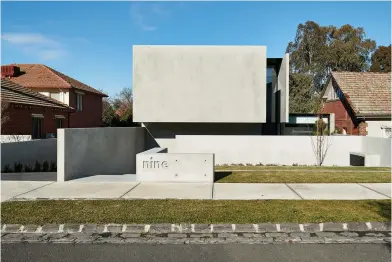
79	102
59	122
37	127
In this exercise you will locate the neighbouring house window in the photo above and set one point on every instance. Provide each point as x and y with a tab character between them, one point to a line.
79	102
55	96
59	122
37	127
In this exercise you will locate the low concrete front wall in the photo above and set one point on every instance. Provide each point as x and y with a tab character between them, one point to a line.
28	152
157	166
282	150
98	151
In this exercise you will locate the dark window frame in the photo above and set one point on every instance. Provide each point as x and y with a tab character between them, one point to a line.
37	123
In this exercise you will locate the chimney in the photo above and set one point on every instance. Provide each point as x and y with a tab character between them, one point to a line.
10	71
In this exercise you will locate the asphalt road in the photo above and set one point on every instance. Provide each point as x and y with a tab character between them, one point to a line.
214	252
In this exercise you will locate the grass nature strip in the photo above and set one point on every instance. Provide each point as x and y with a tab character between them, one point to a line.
302	168
193	211
301	177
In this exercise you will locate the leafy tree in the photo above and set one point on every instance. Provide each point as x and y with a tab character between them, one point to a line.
108	113
302	98
118	112
381	59
349	50
123	104
318	50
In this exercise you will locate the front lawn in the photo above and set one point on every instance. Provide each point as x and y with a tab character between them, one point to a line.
333	176
193	211
302	168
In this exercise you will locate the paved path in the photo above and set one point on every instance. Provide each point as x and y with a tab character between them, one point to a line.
27	190
214	253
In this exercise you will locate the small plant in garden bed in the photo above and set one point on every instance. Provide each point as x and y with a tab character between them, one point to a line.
7	169
37	167
28	168
45	166
18	167
53	167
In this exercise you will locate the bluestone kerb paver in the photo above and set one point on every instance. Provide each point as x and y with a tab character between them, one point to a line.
357	232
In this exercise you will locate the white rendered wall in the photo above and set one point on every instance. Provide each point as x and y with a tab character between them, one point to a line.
282	150
283	86
199	84
375	128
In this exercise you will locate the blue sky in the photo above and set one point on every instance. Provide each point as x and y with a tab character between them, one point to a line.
92	41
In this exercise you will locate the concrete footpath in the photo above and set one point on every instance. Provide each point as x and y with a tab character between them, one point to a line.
32	190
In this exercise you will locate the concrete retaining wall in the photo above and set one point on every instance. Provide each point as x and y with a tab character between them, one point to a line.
28	152
281	150
98	151
156	165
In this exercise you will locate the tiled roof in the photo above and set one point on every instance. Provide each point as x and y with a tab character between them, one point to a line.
14	93
42	76
368	93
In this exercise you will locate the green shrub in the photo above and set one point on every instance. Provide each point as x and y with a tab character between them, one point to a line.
45	166
37	167
53	167
18	167
28	168
7	169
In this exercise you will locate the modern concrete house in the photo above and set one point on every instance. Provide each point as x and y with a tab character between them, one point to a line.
209	90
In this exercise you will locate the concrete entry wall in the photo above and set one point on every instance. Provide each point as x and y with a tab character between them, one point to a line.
98	151
28	152
155	165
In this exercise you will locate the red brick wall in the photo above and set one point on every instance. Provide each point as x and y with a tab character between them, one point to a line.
91	115
342	117
21	121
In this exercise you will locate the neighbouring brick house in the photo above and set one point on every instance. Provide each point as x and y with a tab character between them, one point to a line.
30	114
361	102
86	100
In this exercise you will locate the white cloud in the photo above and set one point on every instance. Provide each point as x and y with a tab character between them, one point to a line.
28	39
38	45
143	14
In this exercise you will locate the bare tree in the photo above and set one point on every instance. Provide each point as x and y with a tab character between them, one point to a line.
320	142
5	116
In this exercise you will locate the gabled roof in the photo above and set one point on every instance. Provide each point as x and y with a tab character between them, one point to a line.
17	94
42	76
369	94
